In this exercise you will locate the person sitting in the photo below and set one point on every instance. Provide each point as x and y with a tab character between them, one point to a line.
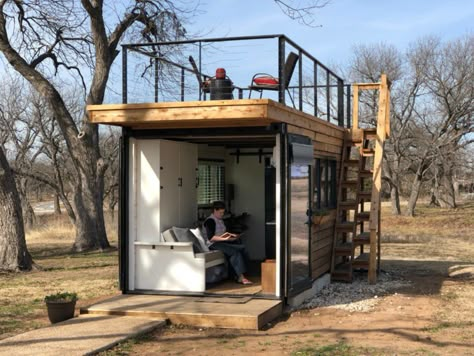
227	242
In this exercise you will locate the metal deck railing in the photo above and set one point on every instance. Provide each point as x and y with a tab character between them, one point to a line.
164	71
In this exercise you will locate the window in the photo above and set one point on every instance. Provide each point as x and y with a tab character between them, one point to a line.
325	193
211	181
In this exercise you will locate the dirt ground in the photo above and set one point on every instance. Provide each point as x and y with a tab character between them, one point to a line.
425	307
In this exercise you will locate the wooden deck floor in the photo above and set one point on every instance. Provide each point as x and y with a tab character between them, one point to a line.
236	313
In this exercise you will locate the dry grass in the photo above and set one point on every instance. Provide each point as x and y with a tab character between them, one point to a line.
430	235
90	275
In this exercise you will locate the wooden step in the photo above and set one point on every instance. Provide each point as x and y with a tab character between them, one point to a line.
349	184
370	133
351	163
367	152
342	272
367	196
362	239
366	174
363	216
344	249
361	261
348	205
347	226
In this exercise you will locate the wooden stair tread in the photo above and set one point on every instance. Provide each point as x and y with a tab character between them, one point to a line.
346	226
362	238
370	133
361	261
366	173
363	216
344	249
351	163
367	152
349	183
342	272
352	203
365	195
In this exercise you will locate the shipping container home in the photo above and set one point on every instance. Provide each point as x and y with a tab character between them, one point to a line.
283	150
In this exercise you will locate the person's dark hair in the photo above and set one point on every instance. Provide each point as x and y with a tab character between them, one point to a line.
218	205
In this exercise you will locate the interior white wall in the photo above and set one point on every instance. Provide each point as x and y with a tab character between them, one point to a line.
248	177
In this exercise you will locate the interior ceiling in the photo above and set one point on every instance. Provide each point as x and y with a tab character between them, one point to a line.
229	141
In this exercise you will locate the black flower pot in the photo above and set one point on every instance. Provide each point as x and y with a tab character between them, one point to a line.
60	310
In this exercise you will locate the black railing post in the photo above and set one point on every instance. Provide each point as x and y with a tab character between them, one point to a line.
156	79
315	93
340	102
124	74
182	84
300	80
281	70
200	70
328	96
349	110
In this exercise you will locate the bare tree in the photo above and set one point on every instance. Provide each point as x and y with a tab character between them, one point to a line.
14	255
302	11
42	40
446	114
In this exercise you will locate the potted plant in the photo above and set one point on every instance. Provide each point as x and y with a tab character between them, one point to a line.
60	306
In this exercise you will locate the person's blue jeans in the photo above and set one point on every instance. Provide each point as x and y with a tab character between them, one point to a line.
235	254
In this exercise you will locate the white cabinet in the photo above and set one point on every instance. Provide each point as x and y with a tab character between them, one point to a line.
162	193
178	172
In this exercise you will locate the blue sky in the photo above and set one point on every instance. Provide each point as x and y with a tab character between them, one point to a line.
344	23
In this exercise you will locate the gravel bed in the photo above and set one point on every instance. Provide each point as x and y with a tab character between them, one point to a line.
357	296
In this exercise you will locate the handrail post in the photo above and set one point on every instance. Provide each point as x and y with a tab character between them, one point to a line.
300	80
281	70
124	75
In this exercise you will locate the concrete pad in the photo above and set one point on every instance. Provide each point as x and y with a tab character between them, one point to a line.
78	336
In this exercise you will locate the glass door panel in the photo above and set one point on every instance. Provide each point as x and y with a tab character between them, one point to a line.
300	229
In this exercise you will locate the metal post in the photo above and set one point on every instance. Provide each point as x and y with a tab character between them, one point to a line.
182	84
200	69
124	75
300	80
328	96
315	94
281	70
156	79
340	102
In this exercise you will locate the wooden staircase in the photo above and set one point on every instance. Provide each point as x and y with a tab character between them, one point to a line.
356	243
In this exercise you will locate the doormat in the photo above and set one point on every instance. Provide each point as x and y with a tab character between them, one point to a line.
225	300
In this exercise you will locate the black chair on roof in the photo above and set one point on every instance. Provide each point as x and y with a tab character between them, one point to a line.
264	81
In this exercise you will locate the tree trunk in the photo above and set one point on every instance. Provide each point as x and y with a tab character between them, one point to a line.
29	217
414	194
395	199
57	206
14	255
88	204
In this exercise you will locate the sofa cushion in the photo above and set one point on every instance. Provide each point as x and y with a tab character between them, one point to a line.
202	241
185	235
168	236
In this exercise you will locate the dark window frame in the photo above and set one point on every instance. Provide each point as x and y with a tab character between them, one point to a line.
328	185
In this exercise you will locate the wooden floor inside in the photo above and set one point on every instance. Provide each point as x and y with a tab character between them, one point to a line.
240	312
231	287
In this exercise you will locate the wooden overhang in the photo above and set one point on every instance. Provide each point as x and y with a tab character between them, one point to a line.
211	114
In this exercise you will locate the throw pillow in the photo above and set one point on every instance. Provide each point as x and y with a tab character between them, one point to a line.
185	235
202	242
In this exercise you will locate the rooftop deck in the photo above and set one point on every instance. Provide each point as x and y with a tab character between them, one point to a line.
178	78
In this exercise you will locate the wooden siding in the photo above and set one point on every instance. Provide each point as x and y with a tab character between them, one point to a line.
327	142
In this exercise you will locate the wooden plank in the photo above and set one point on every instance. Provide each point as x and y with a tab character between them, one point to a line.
355	106
317	272
193	311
